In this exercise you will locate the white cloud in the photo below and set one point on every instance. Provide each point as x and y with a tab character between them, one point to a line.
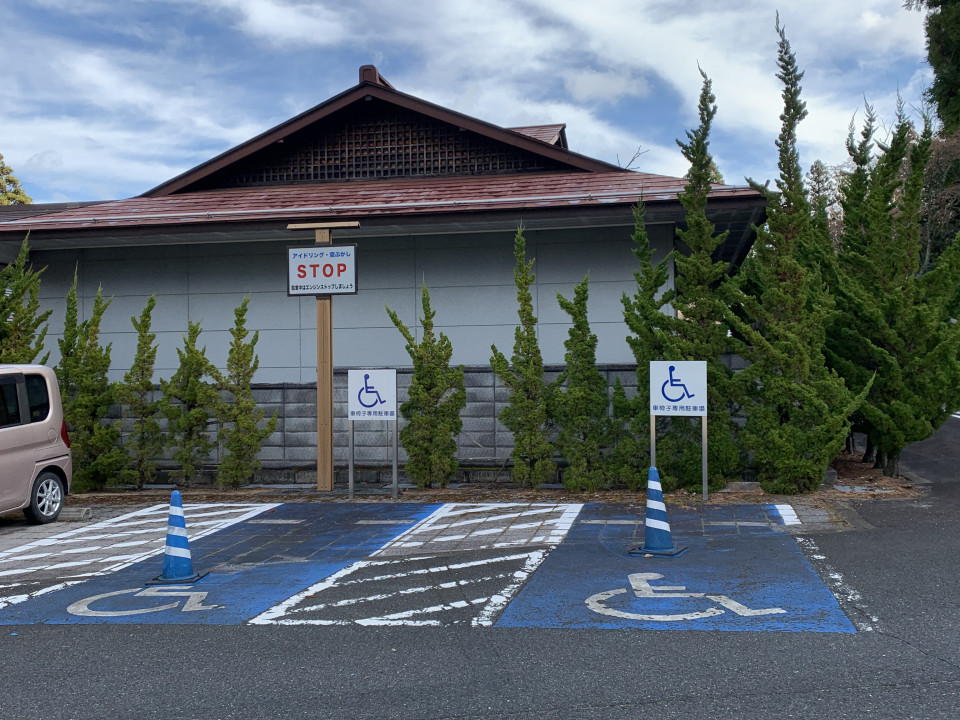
610	86
282	23
131	94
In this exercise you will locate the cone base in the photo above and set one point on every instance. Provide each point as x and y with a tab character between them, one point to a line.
188	580
659	552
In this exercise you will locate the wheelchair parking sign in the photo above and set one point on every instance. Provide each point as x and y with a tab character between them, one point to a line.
678	387
372	394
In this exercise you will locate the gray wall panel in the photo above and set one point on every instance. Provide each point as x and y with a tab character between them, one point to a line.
470	277
466	260
133	276
386	264
169	314
246	268
367	309
215	311
58	275
603	302
611	342
471	344
473	305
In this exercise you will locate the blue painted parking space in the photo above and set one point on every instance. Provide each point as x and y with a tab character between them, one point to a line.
738	573
257	563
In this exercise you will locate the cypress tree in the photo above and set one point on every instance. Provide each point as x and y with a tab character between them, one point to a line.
435	398
87	396
240	417
894	323
136	395
700	329
21	334
796	410
644	317
526	414
189	401
580	404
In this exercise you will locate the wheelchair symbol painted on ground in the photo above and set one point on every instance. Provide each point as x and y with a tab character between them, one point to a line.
676	385
640	584
194	601
372	396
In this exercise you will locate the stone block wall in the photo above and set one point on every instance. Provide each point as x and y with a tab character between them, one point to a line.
290	453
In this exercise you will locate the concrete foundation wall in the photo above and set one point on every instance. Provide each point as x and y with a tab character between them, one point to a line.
290	453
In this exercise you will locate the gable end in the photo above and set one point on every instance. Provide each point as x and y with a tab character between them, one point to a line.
376	140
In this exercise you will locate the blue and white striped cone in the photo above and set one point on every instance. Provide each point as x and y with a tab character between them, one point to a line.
177	563
656	539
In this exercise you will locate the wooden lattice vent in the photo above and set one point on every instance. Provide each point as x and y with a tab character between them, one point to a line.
396	143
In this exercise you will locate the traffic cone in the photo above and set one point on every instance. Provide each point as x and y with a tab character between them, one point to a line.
177	563
656	538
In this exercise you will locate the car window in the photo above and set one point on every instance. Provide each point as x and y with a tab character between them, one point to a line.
9	405
38	397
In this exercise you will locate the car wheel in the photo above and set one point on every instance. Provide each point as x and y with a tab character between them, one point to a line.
46	498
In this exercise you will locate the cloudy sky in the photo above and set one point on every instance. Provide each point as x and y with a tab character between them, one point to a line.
104	99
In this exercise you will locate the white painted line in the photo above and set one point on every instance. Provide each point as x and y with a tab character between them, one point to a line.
92	532
499	601
17	599
569	516
270	615
128	543
489	531
399	593
839	587
279	615
403	618
788	514
35	556
431	570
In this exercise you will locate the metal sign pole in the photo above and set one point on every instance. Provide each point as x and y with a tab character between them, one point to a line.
350	470
703	441
396	453
653	441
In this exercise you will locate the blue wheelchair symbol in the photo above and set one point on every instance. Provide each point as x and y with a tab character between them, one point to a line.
675	383
371	394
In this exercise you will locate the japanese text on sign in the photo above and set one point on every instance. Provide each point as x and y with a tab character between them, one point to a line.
678	387
322	270
372	394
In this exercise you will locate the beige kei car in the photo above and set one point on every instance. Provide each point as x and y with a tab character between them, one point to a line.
36	467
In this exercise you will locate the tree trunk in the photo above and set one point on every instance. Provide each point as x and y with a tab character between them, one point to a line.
880	461
891	467
869	454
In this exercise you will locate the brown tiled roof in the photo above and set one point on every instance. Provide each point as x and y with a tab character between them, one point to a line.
373	87
16	212
550	134
395	197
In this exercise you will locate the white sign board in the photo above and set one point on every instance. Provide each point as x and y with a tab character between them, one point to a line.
678	387
372	394
322	270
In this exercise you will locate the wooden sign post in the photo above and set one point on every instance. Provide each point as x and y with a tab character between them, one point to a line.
324	361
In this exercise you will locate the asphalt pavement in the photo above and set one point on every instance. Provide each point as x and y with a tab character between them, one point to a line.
407	610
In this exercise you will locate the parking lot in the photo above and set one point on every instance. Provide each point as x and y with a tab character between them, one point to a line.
545	565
